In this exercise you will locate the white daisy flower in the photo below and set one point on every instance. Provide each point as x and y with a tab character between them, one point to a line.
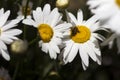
49	28
104	8
7	35
21	12
83	39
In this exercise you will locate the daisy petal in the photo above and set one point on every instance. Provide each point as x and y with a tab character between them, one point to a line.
11	24
45	47
29	21
52	53
83	55
67	49
38	15
46	12
5	54
4	18
2	45
73	52
90	52
79	16
12	32
73	19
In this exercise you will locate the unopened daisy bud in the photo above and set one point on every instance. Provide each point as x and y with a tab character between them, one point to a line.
62	4
53	73
19	46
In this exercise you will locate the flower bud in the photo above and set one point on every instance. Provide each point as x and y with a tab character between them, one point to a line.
19	46
62	4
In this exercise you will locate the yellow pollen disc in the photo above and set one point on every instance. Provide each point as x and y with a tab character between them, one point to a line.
118	2
81	34
27	11
45	32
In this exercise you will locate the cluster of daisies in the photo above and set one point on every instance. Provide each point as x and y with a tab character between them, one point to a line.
78	36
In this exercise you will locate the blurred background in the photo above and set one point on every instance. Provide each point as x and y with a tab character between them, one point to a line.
34	64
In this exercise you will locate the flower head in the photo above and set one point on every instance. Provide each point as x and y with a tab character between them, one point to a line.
7	35
50	28
82	39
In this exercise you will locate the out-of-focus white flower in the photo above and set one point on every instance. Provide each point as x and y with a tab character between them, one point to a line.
82	39
104	8
49	28
109	11
21	13
4	75
7	33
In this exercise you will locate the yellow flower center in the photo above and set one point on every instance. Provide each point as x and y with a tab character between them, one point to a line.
45	32
80	34
118	2
24	11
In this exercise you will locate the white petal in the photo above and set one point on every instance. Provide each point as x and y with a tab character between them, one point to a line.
5	54
29	21
84	66
1	11
73	52
12	32
62	27
95	47
91	21
80	16
7	41
40	43
55	16
45	47
99	59
46	12
2	45
4	17
67	49
6	36
52	53
58	34
91	52
83	54
38	15
11	24
54	47
98	36
56	40
73	19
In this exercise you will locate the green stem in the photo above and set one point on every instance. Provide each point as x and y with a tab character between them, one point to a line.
26	8
34	40
25	30
16	70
